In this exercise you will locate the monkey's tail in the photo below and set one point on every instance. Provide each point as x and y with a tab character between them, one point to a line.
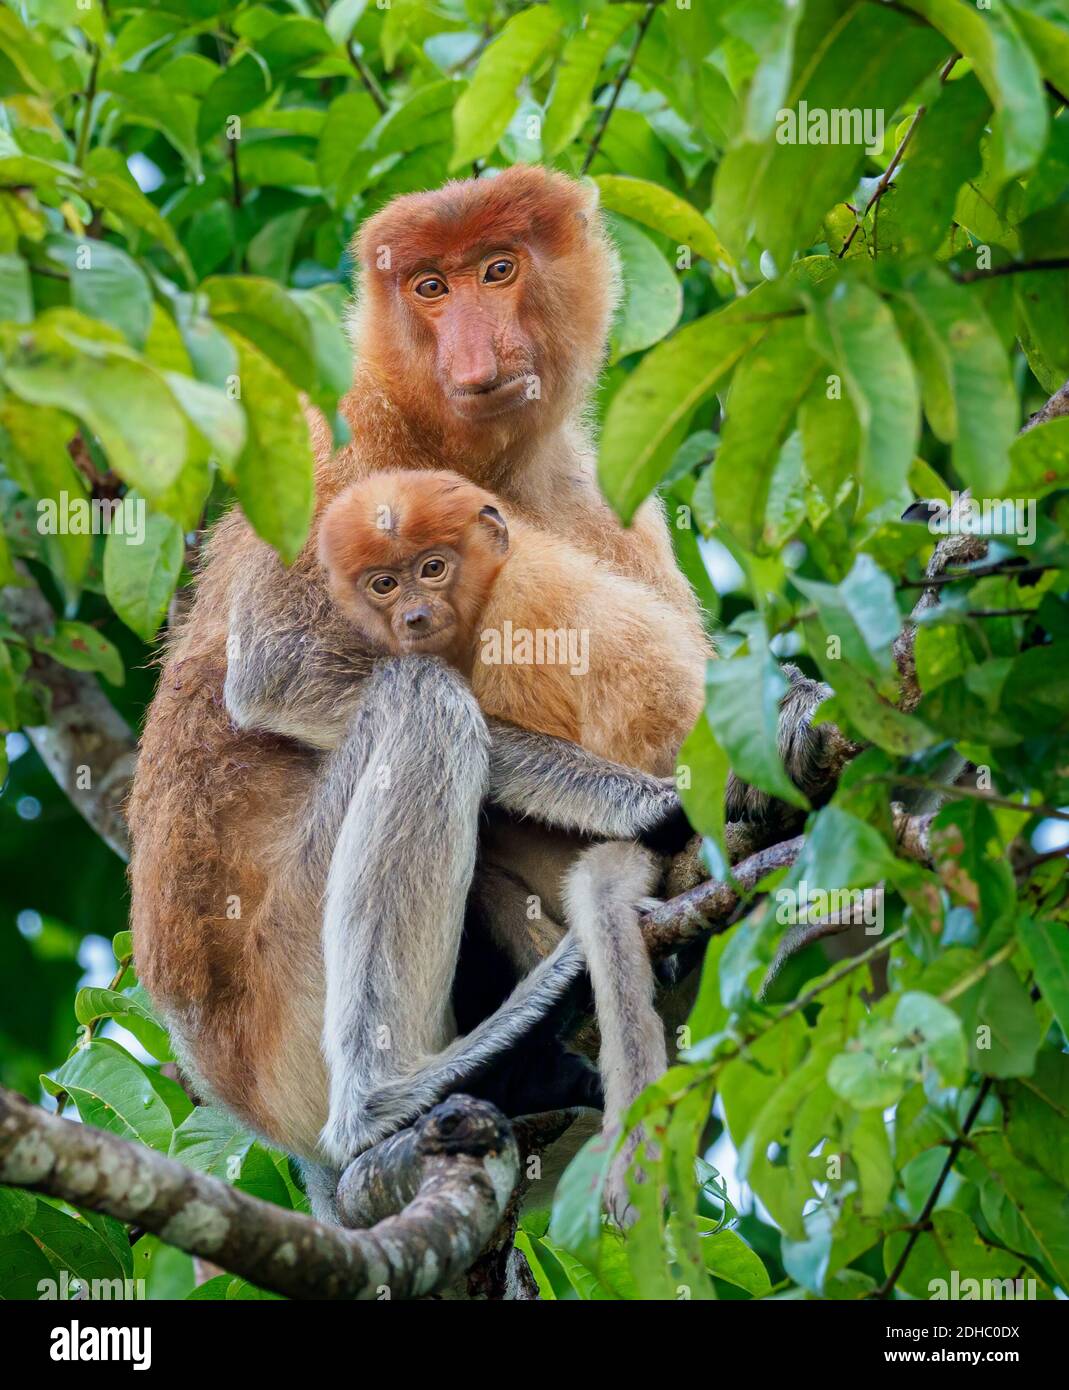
604	893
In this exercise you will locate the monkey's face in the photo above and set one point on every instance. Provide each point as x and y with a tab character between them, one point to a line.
485	357
409	606
486	303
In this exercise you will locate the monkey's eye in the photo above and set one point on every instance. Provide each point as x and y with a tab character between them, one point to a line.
383	584
433	568
433	287
499	271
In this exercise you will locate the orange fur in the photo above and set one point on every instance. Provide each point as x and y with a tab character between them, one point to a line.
225	915
616	707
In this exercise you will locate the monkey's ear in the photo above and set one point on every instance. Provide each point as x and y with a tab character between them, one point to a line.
494	523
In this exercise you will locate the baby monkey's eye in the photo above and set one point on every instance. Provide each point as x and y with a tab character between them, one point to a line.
383	584
499	271
432	569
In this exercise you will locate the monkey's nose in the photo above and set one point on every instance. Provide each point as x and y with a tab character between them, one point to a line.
418	619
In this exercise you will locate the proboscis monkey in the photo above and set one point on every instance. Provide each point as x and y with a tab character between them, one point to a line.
305	816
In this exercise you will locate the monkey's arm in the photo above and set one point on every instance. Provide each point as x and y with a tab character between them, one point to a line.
298	668
295	665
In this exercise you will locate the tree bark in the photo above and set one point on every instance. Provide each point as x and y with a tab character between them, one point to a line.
441	1196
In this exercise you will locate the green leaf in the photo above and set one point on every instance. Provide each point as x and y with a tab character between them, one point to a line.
9	685
76	1247
125	201
342	18
1039	460
656	400
82	648
861	58
652	300
482	114
861	612
113	1091
1041	1206
119	397
349	119
1004	64
16	1209
830	438
743	695
576	1221
16	296
1047	947
426	118
1043	296
24	1267
1000	1024
855	331
106	284
213	1142
239	89
34	445
663	211
264	314
870	1148
139	579
701	776
92	1003
333	355
144	98
968	393
728	1257
766	391
570	101
951	1245
943	154
275	471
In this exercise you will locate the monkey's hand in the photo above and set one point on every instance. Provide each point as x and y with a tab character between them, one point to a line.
814	756
671	831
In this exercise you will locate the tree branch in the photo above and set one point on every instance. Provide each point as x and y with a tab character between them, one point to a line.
618	85
87	746
442	1188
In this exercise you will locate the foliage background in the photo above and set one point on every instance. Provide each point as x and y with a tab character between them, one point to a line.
179	183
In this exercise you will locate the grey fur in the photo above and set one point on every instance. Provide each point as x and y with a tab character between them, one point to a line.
604	892
565	786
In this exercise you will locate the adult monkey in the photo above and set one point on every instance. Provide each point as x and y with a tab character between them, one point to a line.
304	820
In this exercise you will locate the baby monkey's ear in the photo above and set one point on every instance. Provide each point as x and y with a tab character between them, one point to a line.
494	523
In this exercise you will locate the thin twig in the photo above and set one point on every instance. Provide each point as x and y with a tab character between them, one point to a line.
1032	808
1012	566
888	174
969	277
90	97
884	1291
367	77
625	73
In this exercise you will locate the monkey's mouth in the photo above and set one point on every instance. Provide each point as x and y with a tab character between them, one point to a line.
434	641
506	394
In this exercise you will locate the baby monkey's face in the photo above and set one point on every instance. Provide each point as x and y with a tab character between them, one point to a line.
409	606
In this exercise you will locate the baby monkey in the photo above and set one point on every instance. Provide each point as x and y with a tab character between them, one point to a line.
413	558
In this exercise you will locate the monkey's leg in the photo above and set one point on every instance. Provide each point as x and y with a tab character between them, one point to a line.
603	893
565	786
399	802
